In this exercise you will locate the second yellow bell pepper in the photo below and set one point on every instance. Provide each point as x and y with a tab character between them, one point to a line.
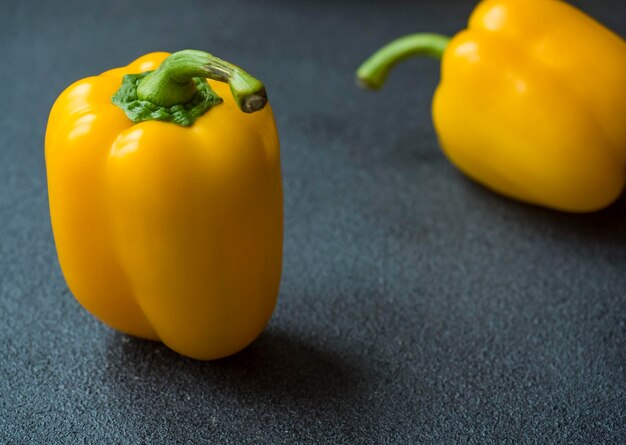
532	101
166	201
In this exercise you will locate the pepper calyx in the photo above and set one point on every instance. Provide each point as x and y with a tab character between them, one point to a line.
138	110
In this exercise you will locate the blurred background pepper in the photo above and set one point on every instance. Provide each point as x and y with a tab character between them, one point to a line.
532	101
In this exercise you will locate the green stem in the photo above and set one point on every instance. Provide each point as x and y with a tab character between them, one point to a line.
172	83
373	72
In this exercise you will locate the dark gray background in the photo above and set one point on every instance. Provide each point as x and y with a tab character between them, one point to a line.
415	306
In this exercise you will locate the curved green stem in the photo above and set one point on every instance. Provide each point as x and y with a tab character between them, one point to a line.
172	83
373	72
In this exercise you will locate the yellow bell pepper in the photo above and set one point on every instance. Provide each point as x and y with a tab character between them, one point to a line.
531	103
166	201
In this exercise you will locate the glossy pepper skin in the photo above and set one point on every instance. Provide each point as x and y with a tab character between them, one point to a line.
532	103
167	232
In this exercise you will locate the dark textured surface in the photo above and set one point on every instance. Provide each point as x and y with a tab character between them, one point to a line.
415	306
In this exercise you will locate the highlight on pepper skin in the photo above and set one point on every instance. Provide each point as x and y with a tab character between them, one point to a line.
531	102
166	200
